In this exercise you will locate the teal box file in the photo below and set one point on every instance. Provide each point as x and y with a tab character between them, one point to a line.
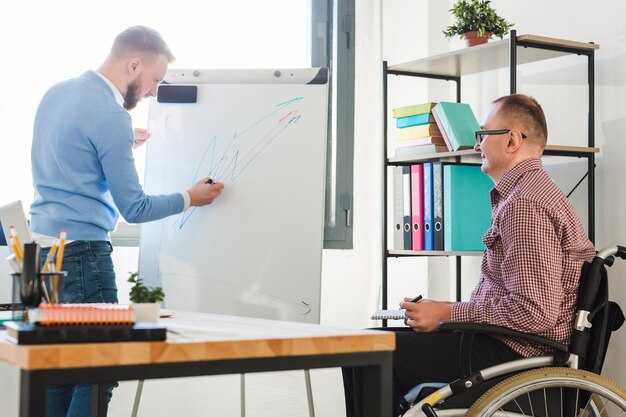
466	207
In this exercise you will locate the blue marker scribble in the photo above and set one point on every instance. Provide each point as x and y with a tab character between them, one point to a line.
228	166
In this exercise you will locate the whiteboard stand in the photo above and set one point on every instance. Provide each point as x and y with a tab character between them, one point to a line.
256	251
137	398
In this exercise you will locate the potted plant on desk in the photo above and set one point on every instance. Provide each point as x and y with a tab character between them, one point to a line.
146	301
477	21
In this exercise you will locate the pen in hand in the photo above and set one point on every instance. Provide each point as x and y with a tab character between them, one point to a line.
412	300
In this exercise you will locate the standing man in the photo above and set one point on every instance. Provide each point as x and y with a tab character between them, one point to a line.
529	277
84	176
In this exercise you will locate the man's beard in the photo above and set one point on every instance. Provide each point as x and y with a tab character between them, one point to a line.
131	98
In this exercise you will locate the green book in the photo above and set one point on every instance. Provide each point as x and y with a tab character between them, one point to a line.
457	124
412	110
466	207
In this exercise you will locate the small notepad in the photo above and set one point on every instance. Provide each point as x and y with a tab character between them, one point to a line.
389	315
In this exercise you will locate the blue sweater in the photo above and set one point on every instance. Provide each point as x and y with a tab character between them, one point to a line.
83	166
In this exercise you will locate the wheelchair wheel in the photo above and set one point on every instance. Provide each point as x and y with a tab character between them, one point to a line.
552	392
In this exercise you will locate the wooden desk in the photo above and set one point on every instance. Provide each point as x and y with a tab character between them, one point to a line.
205	344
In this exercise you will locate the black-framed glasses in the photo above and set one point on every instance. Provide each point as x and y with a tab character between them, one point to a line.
480	134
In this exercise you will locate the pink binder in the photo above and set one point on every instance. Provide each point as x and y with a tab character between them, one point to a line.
417	206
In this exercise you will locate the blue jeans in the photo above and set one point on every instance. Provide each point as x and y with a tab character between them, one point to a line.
90	279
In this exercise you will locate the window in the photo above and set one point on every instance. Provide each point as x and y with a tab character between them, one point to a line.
45	42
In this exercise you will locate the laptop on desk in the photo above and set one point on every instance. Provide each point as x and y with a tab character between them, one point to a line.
13	214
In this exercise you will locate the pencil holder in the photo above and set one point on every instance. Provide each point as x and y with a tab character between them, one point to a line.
48	289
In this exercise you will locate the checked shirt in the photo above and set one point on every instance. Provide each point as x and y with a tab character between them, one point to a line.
534	252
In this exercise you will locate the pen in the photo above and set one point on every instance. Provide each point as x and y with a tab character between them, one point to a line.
416	299
44	290
14	263
209	181
50	257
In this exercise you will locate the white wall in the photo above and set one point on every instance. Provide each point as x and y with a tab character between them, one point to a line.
398	31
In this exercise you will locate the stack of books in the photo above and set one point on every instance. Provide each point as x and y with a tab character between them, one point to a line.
417	132
82	323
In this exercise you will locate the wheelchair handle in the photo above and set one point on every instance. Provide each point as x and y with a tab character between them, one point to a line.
591	283
619	251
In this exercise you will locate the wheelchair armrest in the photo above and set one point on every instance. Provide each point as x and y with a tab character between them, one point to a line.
499	330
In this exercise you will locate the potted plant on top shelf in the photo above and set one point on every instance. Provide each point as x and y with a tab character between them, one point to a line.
145	300
477	21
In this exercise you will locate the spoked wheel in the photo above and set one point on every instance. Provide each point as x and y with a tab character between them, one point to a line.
552	392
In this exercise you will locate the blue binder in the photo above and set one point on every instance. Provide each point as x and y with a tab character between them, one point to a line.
429	236
466	207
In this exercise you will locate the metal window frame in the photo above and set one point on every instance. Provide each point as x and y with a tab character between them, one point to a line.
332	46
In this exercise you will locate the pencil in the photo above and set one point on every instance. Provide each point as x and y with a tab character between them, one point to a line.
14	247
61	249
59	263
17	246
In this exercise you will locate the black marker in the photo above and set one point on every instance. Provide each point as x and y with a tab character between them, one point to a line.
416	299
209	181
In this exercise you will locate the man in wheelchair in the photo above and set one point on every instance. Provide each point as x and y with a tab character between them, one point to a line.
535	250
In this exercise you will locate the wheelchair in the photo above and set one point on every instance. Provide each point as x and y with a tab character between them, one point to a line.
565	383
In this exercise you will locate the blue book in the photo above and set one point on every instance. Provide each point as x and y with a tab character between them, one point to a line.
416	120
429	235
466	207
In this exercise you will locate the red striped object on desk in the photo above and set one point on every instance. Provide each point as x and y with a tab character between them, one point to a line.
81	314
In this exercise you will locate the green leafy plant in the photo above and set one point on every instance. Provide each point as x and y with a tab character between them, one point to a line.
140	293
476	16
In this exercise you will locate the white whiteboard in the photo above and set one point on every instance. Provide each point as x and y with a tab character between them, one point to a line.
256	250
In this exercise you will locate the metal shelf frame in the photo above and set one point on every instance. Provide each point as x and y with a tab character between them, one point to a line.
452	66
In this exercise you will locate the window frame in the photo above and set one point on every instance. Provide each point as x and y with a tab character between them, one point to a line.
333	46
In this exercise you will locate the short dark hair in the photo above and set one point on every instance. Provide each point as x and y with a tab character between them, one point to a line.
140	40
529	112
